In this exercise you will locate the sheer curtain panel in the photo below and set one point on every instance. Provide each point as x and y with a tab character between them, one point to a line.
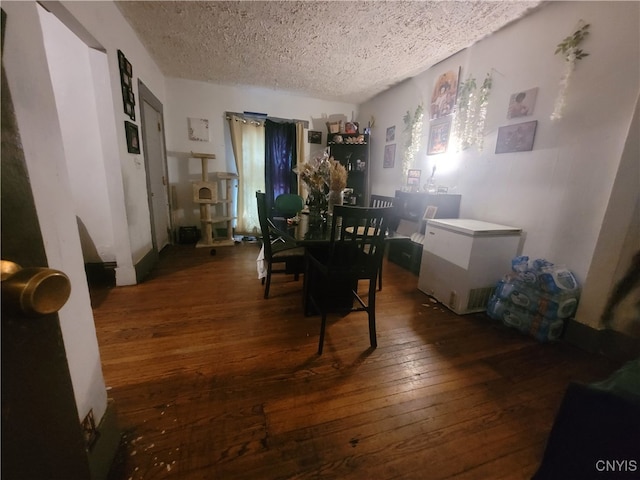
247	140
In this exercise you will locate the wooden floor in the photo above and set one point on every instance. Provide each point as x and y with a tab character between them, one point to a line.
211	381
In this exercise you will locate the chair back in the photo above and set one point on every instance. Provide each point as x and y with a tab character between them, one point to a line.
288	204
263	219
357	238
378	201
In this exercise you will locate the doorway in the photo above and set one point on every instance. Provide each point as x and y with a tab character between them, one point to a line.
155	159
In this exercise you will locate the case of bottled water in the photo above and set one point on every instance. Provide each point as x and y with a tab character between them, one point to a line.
535	298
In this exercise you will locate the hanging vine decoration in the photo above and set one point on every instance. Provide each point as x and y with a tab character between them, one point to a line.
462	111
413	133
569	48
471	113
483	101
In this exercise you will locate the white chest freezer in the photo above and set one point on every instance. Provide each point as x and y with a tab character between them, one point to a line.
462	260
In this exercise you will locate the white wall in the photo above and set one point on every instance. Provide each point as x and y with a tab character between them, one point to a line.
190	99
559	192
30	84
132	224
70	68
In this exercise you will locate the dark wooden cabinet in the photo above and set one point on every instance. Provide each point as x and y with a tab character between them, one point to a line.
352	151
409	209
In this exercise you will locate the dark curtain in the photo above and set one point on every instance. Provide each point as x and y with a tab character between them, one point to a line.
280	159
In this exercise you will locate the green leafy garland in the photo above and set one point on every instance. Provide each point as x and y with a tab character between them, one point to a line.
569	48
413	133
471	113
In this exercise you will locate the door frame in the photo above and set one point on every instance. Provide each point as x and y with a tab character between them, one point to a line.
147	96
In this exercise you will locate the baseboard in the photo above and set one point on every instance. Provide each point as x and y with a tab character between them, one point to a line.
145	265
100	272
106	447
610	343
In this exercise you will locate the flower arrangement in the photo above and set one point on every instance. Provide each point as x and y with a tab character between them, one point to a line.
337	176
320	175
322	172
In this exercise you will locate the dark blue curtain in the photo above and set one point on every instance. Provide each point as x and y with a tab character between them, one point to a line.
280	159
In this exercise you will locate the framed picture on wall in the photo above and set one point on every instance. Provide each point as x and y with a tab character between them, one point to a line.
516	138
198	129
391	134
314	136
521	103
439	137
413	177
126	82
133	139
389	156
445	92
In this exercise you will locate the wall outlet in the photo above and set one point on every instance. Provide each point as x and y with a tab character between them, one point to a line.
89	431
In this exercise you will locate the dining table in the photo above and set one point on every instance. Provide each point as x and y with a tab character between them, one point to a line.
304	234
314	237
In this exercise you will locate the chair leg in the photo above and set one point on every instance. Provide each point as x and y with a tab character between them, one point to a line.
268	282
323	327
380	276
371	310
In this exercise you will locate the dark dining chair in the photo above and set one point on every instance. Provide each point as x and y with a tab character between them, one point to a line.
380	201
333	272
278	249
287	205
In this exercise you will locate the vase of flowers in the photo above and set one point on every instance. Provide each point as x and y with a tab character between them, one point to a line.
321	175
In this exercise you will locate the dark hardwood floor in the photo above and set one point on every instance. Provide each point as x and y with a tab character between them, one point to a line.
211	381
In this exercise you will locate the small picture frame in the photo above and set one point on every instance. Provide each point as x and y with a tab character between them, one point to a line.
198	129
389	156
133	139
125	80
430	212
121	60
391	134
439	137
413	177
351	127
521	104
516	138
129	110
314	136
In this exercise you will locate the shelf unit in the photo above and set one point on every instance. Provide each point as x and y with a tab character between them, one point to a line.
352	151
214	208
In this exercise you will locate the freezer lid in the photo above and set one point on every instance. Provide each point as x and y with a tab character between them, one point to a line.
473	227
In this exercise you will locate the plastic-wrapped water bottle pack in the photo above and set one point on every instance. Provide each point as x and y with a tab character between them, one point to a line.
535	298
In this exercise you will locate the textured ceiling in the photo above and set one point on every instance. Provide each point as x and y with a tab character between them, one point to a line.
336	50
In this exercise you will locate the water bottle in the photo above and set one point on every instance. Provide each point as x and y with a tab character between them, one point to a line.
509	314
518	293
557	306
544	329
558	279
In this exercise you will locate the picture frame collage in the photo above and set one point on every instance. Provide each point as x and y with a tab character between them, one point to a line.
518	137
443	102
128	103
